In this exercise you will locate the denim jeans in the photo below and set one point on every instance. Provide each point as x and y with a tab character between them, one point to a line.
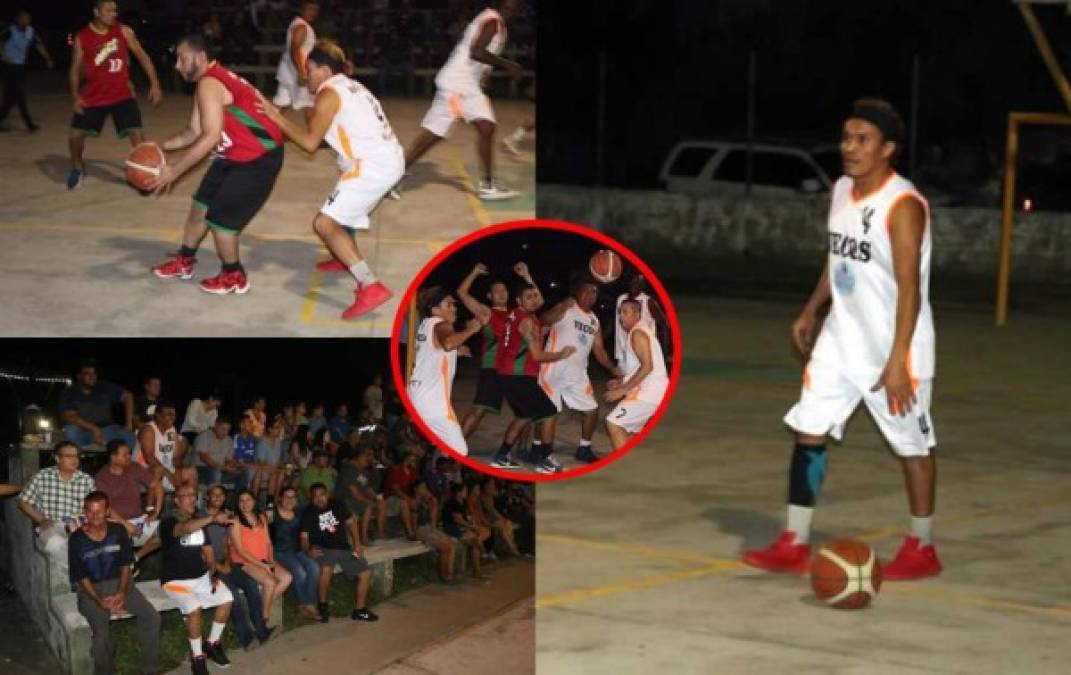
83	437
306	574
234	581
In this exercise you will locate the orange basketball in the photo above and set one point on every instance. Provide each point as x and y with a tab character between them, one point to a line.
605	266
143	165
846	574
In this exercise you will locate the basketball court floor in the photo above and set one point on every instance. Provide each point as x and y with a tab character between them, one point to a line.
77	263
638	568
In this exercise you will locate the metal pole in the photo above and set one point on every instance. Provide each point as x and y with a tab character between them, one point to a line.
913	150
410	343
1007	220
600	123
1047	54
752	67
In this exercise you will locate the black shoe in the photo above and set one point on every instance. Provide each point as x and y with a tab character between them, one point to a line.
268	634
364	614
249	645
585	454
198	665
33	128
324	610
214	651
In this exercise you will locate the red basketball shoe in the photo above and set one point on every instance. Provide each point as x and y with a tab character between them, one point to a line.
332	265
912	561
782	555
366	299
226	282
181	267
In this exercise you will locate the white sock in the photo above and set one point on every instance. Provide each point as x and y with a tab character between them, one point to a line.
362	273
923	529
799	521
217	631
195	646
584	443
536	444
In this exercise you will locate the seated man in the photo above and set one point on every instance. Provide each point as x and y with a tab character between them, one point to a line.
201	416
324	524
428	531
398	492
245	449
99	558
356	490
122	481
320	472
54	498
215	456
269	460
86	410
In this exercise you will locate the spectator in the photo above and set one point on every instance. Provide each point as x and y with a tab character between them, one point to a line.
187	559
398	491
163	450
499	523
269	460
317	473
215	456
251	550
439	478
8	490
429	532
122	481
373	398
324	524
235	578
212	32
86	410
201	415
355	489
245	448
458	524
517	502
304	570
301	447
54	498
300	416
340	425
317	420
479	519
99	560
259	416
145	404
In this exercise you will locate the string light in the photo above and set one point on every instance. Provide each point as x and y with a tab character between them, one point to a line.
25	378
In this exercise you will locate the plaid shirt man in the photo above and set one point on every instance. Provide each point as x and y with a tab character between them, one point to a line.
53	497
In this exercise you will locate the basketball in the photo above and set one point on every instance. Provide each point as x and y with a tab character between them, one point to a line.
605	266
846	574
143	165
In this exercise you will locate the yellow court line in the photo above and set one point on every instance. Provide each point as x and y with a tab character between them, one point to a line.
978	599
640	551
308	307
470	191
636	584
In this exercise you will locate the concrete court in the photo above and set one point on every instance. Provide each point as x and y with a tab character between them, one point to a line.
75	264
638	568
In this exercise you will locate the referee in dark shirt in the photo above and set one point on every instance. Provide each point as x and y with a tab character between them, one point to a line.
99	557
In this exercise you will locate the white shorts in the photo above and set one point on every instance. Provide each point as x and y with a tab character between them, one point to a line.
353	199
829	398
450	106
574	393
147	529
632	415
449	432
193	594
292	96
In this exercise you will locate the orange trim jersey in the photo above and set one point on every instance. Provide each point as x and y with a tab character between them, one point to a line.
653	387
462	73
433	374
359	132
577	329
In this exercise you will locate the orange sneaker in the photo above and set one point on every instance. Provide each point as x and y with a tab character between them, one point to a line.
782	556
366	299
912	561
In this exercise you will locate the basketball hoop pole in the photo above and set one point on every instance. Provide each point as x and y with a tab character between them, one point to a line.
410	343
1047	54
1007	220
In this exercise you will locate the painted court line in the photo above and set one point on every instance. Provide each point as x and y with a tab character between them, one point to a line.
478	209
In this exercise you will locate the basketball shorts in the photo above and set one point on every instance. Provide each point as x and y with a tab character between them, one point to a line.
448	107
199	593
527	400
489	391
353	199
125	115
293	95
352	566
632	415
569	390
449	433
231	193
828	399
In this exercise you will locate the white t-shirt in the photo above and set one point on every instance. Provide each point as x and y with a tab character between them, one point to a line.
197	418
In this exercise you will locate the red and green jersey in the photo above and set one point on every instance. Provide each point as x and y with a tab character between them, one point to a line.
514	356
492	335
106	66
248	134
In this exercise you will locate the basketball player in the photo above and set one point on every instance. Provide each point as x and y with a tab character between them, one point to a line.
101	52
877	343
370	161
566	382
247	158
162	449
645	379
652	315
517	363
294	90
459	93
436	364
18	38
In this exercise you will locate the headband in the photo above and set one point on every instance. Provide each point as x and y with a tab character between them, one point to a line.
324	59
892	128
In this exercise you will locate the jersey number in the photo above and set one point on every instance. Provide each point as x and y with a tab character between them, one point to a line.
388	133
115	65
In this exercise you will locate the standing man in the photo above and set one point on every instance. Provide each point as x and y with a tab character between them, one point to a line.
644	382
460	94
20	37
293	91
101	53
99	559
876	346
86	410
248	156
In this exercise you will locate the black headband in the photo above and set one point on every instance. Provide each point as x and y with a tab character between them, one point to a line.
324	59
886	120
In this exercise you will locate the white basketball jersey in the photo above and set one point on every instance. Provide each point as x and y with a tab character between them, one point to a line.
287	72
858	333
360	131
433	374
653	387
620	339
576	329
462	73
164	445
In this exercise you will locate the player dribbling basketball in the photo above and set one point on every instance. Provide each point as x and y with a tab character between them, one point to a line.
876	346
645	379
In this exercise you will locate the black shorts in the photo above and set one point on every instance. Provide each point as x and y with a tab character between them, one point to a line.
489	391
125	115
231	193
525	397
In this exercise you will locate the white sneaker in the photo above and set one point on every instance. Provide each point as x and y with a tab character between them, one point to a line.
492	191
394	194
511	145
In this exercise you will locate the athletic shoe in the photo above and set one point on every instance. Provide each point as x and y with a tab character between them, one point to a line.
504	462
548	467
529	456
782	556
249	645
75	179
394	194
198	665
226	282
912	561
553	462
332	265
490	191
367	298
271	632
214	651
511	145
585	454
181	267
325	611
33	128
364	614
